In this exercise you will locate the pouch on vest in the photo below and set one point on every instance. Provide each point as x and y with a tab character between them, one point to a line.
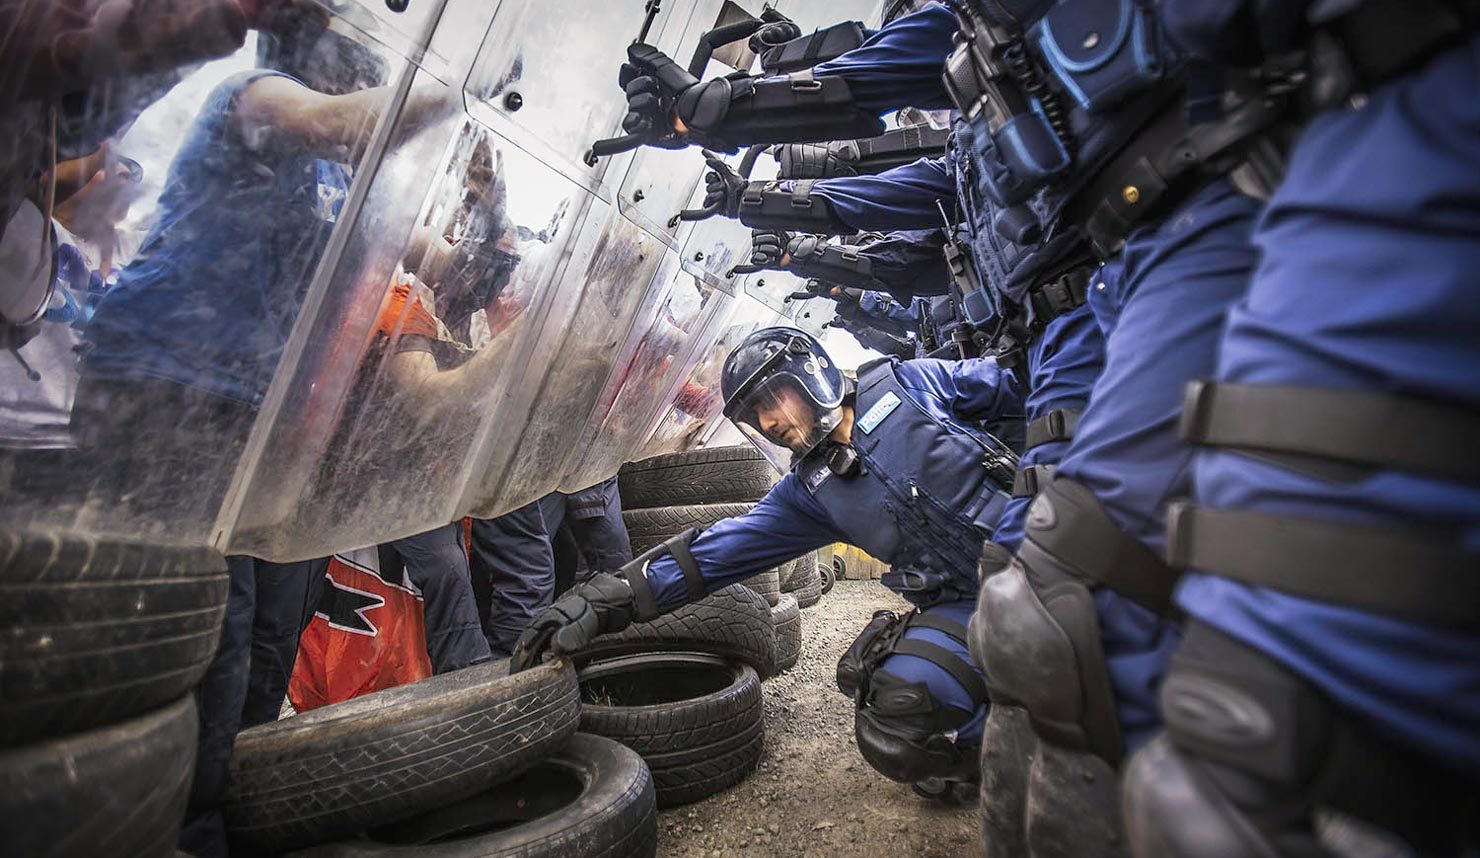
1004	185
998	91
868	651
1101	51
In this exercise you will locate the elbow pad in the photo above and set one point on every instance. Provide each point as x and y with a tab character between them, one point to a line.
635	574
866	157
804	52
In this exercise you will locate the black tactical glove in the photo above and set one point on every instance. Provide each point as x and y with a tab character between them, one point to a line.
774	35
767	247
804	246
601	604
653	82
659	89
723	187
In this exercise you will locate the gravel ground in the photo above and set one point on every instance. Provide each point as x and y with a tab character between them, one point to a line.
813	794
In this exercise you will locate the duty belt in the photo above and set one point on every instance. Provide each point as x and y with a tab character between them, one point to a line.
1058	296
1052	298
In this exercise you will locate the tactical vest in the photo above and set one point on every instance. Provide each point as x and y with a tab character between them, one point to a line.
923	500
1093	75
1047	243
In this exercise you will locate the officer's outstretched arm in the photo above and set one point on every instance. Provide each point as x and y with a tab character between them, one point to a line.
879	311
911	262
786	523
673	109
974	389
782	525
982	390
880	341
900	66
812	256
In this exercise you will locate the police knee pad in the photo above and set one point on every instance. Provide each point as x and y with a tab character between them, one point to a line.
1252	754
900	727
1037	638
994	559
1038	628
902	732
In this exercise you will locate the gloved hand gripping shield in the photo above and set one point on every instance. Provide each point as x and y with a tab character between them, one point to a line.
783	392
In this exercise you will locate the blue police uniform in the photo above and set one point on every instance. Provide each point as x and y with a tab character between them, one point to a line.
1161	305
1361	287
878	323
1360	322
1063	359
879	310
923	500
886	72
909	263
1157	306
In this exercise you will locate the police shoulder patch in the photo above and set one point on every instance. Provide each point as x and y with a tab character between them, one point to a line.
877	412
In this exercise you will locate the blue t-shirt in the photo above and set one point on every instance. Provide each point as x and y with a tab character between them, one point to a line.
213	294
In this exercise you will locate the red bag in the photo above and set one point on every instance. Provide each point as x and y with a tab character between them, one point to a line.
367	634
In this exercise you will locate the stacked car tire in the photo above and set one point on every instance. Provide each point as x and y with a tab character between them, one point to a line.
105	641
684	690
470	762
102	642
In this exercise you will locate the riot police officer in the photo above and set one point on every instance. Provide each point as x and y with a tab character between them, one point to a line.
1073	150
890	464
1332	657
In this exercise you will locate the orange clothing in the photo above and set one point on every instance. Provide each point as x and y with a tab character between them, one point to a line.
403	314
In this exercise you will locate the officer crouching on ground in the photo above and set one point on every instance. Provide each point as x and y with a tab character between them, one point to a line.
889	464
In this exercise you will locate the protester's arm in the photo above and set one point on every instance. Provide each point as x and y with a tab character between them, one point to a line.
276	113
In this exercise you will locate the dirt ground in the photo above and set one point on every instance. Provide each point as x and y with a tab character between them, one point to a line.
813	794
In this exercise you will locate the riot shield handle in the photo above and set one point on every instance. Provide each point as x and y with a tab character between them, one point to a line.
626	142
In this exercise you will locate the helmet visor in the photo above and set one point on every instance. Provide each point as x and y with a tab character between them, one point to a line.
780	421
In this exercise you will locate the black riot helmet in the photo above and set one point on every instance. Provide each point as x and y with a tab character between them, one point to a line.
783	392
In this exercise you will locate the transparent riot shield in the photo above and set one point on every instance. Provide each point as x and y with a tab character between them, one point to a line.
400	377
658	351
599	296
696	405
245	169
356	275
